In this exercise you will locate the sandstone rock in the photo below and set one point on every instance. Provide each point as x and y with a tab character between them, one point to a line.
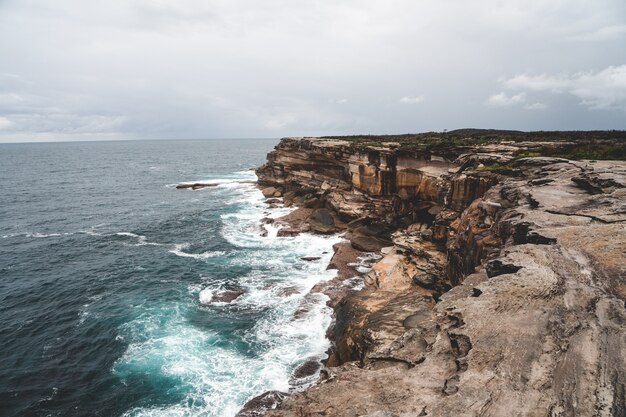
322	221
271	192
367	243
514	305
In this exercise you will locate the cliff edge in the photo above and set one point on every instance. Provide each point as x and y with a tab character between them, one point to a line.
499	284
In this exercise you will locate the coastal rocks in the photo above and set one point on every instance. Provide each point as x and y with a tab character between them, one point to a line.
501	290
195	185
198	185
294	223
271	192
305	374
209	296
259	405
322	221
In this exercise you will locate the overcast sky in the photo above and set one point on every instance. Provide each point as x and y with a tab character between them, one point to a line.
124	69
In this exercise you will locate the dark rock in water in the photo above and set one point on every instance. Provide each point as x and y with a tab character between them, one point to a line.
227	296
273	200
195	185
260	404
307	369
306	373
310	258
322	221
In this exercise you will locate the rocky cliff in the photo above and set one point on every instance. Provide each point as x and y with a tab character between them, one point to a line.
500	284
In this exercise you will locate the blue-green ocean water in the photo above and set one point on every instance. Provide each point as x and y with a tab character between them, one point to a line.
103	266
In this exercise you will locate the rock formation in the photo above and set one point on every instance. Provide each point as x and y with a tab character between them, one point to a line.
502	284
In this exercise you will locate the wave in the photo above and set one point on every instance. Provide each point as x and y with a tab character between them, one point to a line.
205	296
285	324
178	251
141	240
35	235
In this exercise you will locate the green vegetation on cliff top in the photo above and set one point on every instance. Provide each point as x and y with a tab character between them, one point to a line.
598	144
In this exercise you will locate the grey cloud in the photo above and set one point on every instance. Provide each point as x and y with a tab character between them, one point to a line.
605	89
227	68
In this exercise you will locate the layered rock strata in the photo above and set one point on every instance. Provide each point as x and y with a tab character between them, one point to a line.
501	286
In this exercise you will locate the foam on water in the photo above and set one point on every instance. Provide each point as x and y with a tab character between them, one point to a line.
178	251
215	376
205	296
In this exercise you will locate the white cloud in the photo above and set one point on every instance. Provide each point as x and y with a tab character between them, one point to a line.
338	101
605	89
536	106
411	99
4	122
503	100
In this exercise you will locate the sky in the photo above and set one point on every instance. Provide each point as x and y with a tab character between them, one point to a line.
173	69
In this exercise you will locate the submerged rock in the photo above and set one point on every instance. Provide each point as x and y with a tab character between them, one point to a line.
208	296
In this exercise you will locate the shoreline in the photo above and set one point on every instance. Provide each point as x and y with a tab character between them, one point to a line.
348	280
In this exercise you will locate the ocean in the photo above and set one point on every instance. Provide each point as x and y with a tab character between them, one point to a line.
107	272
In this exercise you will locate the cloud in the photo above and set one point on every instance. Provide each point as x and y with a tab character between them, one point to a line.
411	99
503	100
4	122
599	90
607	33
536	106
233	68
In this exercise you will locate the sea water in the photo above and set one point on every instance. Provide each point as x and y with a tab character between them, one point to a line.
107	275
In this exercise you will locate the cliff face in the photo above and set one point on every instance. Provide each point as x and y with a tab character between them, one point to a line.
501	289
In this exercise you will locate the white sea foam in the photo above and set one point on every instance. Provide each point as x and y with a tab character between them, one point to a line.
217	379
35	235
205	296
141	240
178	251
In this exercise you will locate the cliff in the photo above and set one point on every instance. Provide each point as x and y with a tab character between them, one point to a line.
500	286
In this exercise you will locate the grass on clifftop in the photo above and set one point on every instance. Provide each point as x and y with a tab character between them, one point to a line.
598	144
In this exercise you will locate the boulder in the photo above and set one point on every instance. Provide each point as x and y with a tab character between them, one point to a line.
322	221
367	243
369	236
271	192
227	296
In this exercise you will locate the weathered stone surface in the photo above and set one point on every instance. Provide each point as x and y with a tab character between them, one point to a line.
501	294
